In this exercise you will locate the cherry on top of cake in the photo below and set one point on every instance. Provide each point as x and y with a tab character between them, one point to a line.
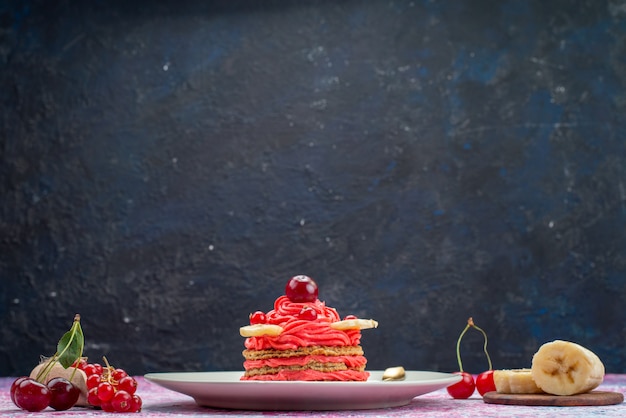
301	289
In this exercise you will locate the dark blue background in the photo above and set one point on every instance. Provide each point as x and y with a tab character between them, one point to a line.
167	166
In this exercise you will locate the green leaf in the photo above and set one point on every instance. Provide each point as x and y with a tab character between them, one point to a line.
70	346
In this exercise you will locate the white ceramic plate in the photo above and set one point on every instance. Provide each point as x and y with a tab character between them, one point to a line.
225	390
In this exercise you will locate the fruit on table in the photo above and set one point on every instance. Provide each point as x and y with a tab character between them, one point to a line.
67	379
77	376
515	381
64	393
111	389
566	368
484	383
463	389
31	395
34	394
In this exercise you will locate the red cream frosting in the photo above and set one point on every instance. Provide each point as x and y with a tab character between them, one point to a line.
302	332
313	375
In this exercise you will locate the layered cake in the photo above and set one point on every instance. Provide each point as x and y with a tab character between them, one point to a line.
303	339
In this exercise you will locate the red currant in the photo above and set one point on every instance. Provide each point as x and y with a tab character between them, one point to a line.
463	389
92	397
135	404
121	401
348	317
258	318
98	367
107	406
105	391
64	393
301	289
307	314
32	395
485	383
119	374
80	363
93	381
127	384
90	369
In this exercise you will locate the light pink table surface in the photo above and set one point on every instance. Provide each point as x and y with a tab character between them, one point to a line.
160	402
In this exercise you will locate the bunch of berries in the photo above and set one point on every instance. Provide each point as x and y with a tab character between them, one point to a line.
110	389
34	394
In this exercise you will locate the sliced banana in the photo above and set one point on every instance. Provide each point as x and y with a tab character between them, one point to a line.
354	324
566	368
515	381
394	373
258	330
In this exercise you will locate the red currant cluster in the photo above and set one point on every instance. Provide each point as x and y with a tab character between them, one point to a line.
34	396
110	389
484	381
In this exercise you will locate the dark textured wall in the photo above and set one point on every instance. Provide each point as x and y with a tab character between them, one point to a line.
167	166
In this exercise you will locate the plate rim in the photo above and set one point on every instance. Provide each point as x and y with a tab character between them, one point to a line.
158	376
205	391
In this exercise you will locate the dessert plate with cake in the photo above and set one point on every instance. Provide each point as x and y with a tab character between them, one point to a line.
302	355
227	390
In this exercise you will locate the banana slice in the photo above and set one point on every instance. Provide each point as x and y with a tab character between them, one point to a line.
566	368
258	330
515	381
394	373
354	324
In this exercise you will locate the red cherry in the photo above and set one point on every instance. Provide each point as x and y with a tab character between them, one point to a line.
463	389
64	393
485	383
258	318
32	395
15	384
301	289
307	314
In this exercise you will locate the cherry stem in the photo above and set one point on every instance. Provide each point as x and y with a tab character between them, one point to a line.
484	345
458	346
43	373
470	323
